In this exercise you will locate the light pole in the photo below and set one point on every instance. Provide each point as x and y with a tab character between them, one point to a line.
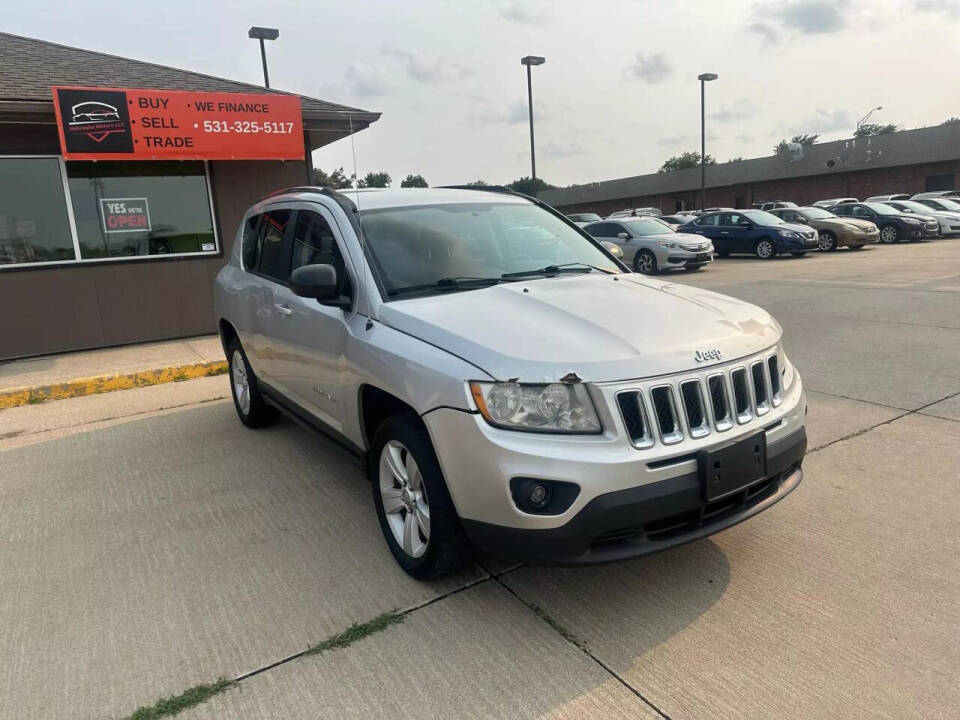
261	34
704	79
530	61
866	117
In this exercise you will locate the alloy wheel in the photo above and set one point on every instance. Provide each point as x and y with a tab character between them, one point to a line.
826	241
765	249
404	499
241	383
888	234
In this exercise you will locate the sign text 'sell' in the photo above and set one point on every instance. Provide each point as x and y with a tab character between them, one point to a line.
127	124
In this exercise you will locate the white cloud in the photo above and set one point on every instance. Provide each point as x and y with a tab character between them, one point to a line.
951	8
526	13
429	71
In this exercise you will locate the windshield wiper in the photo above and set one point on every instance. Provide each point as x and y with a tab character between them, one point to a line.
448	283
570	267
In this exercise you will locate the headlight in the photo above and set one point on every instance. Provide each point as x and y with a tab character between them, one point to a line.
667	244
553	408
912	221
787	233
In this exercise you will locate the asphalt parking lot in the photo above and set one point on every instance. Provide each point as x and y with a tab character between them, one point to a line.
151	543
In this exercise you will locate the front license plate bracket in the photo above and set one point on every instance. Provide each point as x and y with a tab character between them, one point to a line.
730	469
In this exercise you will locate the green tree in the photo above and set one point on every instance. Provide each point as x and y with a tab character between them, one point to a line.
783	147
337	180
414	181
479	183
738	158
954	120
684	161
375	180
530	186
871	129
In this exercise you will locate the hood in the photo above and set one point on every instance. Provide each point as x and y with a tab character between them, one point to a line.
795	227
678	237
844	223
601	327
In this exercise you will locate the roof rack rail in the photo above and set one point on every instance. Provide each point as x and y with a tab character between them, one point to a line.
295	188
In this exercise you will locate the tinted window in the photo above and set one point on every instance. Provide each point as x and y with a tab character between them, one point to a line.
762	218
880	208
646	226
274	250
707	220
250	247
841	209
315	244
603	230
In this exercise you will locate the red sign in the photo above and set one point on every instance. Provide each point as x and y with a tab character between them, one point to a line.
126	124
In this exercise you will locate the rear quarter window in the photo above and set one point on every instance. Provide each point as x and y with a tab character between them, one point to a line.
250	242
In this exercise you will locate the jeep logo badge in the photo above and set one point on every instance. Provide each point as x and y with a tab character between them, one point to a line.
705	355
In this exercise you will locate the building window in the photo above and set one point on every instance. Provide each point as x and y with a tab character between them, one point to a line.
34	225
127	209
939	182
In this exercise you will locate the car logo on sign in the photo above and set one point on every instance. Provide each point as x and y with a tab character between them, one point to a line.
707	355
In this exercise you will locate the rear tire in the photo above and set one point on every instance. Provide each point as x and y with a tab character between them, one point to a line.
251	408
416	514
645	262
764	249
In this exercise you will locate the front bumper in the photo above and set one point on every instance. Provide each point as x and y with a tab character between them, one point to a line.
850	238
648	518
679	258
798	244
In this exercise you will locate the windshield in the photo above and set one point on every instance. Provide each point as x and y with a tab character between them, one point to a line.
882	208
647	226
948	204
421	245
817	214
762	218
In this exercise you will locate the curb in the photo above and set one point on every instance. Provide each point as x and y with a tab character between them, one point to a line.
109	383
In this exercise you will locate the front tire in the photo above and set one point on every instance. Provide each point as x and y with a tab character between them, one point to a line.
764	249
414	508
645	262
889	234
251	408
827	241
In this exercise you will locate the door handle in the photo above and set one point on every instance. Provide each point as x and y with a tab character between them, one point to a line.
724	232
283	309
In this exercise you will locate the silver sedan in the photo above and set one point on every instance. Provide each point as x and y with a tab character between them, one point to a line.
650	245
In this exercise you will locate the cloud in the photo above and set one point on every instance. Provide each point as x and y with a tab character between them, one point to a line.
744	138
562	150
514	115
824	121
519	113
672	140
775	19
649	68
950	8
526	13
742	110
362	81
422	70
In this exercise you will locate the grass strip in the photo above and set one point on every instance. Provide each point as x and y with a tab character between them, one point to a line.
174	704
356	632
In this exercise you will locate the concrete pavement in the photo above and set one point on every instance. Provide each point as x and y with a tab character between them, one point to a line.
156	544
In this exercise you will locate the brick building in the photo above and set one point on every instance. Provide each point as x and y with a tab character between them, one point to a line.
910	161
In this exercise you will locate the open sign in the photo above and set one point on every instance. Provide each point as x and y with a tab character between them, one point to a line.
125	215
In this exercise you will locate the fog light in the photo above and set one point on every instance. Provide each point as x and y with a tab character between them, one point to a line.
539	495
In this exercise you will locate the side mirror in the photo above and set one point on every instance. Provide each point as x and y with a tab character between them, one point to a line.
320	283
623	236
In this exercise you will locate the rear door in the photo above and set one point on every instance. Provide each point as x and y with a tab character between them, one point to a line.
310	341
272	269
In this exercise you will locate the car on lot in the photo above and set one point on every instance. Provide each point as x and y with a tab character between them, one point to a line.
948	220
636	212
773	205
886	198
953	194
941	203
832	231
494	397
582	219
895	226
677	219
753	231
834	201
650	246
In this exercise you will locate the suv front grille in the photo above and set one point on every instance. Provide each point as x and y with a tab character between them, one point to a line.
694	406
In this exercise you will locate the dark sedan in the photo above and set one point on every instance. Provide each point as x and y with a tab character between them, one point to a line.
894	225
752	231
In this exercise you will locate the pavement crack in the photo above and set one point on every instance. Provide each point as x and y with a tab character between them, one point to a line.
569	637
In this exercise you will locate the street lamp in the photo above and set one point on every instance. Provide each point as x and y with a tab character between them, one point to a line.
261	34
865	118
704	79
530	61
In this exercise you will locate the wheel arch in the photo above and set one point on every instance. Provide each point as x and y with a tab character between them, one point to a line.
374	405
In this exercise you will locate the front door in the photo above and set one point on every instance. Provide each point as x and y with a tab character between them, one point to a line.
309	361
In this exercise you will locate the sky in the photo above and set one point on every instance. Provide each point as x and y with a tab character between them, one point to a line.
618	93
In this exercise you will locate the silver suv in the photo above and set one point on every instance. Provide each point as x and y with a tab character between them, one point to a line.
510	385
